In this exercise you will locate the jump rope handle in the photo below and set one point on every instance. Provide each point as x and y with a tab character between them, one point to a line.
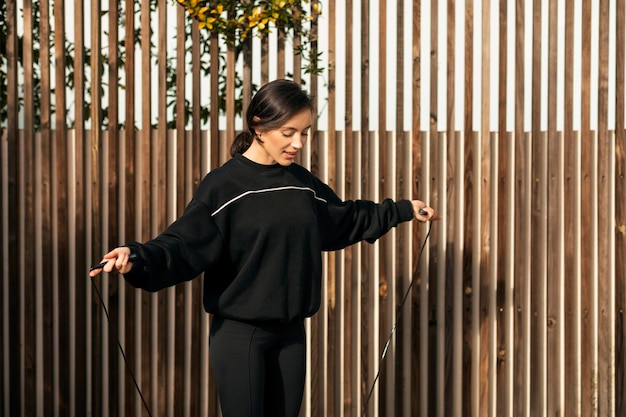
132	258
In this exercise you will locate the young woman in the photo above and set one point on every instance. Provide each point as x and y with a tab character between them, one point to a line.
257	227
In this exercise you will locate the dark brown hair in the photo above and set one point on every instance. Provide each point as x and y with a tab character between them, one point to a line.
274	104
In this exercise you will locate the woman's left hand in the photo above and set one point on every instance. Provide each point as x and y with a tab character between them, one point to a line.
424	213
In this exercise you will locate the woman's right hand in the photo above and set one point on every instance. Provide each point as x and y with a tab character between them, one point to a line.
118	258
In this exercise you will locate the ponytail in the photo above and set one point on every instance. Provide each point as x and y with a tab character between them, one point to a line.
241	143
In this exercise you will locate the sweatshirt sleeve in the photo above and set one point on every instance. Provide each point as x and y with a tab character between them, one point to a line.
186	248
349	222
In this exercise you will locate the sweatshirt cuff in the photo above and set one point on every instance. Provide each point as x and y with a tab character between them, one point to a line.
139	268
405	210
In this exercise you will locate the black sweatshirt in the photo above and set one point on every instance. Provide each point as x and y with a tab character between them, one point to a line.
257	232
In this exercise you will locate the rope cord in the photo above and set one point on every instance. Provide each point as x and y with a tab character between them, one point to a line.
119	345
398	317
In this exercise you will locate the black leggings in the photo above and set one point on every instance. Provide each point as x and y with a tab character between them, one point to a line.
258	371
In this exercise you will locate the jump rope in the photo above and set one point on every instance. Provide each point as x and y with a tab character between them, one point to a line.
119	344
398	316
382	357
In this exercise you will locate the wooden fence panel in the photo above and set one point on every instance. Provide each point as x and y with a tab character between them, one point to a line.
516	135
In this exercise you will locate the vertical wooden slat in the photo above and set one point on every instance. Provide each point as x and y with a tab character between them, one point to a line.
405	242
456	26
470	358
351	401
110	204
441	130
522	167
143	183
192	166
588	364
538	228
381	161
410	321
491	277
572	354
606	287
128	398
265	64
60	187
486	334
620	208
214	106
423	175
78	394
506	231
96	200
43	218
182	174
26	229
336	174
356	331
11	358
280	56
555	208
230	101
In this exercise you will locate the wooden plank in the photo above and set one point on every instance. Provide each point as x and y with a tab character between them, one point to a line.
26	228
454	263
539	232
43	220
78	400
182	173
620	209
555	233
110	154
471	377
572	230
588	370
10	225
523	292
350	396
505	230
336	261
484	156
224	153
214	101
412	321
405	242
606	278
128	401
60	237
522	168
386	383
280	53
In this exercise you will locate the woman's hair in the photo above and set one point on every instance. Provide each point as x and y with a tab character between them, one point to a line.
274	104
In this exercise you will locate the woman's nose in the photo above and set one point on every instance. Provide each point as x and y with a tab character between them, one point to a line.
297	142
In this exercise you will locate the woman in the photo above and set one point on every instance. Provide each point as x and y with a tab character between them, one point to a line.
257	227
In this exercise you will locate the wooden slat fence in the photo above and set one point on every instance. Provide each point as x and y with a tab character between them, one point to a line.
507	116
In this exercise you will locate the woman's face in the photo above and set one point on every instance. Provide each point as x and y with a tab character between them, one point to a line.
280	146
